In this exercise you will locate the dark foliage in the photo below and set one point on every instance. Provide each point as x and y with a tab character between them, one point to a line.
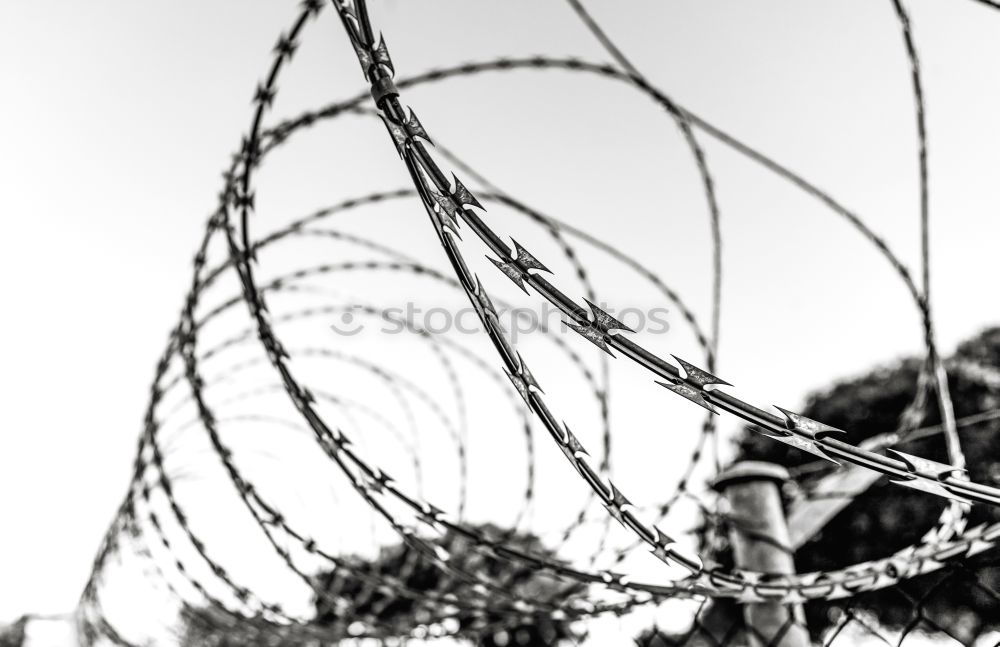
208	627
888	517
387	614
383	608
13	635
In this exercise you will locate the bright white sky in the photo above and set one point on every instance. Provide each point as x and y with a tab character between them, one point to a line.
119	116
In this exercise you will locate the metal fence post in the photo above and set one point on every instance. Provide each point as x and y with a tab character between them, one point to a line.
759	537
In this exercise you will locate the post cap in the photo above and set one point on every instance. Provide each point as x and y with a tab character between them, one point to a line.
746	471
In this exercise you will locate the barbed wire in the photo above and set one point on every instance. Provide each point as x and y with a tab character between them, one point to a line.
155	529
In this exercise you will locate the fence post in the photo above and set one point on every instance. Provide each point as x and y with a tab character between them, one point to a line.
759	537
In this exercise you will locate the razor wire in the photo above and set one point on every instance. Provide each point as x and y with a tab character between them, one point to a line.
152	520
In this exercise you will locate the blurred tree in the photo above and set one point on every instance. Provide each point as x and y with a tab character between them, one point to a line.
213	627
888	517
492	628
13	635
378	611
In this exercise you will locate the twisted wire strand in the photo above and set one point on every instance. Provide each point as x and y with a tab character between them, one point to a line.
912	415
